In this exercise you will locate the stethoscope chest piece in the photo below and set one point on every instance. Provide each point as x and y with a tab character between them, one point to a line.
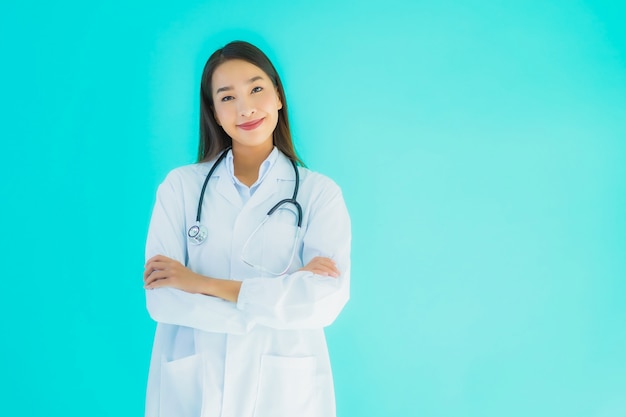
197	234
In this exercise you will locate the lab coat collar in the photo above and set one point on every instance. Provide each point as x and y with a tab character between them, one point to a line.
224	185
281	170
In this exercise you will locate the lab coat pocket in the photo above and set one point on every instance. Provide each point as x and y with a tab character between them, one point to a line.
286	387
181	387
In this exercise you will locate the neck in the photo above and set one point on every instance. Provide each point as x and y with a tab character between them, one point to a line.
247	162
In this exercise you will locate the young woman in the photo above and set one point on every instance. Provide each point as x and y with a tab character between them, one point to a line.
248	259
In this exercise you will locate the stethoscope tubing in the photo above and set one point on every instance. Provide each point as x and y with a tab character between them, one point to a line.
197	228
206	182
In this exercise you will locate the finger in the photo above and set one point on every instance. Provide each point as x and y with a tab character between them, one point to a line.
157	266
161	283
150	279
325	271
328	265
159	258
148	271
156	276
321	265
325	258
331	273
154	258
324	261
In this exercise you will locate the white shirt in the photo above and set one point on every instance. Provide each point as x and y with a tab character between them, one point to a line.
246	192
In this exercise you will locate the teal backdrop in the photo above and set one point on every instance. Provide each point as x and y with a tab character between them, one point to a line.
481	148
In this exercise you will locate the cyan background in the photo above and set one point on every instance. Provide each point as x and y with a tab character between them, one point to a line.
481	147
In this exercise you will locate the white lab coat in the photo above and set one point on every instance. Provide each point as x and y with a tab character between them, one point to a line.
266	355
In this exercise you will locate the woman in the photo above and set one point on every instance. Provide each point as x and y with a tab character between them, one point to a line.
240	297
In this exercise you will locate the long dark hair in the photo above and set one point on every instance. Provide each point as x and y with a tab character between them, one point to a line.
213	139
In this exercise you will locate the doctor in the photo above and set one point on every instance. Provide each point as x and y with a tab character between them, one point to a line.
241	296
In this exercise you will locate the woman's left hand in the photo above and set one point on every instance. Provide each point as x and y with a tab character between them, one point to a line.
161	271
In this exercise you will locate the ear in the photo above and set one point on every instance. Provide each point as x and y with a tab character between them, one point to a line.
280	102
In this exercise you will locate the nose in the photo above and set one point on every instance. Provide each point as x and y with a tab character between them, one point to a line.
246	107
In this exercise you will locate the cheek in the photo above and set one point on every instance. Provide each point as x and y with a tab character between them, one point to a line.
222	115
271	103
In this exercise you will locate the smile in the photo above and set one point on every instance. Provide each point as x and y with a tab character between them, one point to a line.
251	125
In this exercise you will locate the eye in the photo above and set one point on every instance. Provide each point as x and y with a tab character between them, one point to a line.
257	89
227	98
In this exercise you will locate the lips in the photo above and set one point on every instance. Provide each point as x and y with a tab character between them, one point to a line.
251	125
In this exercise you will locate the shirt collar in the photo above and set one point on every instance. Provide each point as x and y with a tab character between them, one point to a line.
263	169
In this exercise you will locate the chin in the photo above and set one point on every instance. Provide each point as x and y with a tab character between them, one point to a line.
253	143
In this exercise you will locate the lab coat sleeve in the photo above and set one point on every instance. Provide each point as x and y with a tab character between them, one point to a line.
303	300
166	236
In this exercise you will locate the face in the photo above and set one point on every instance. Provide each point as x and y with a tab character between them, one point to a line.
246	104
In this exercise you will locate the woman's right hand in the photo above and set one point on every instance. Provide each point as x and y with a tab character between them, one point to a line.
321	265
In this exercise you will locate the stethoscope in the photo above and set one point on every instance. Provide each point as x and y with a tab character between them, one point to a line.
198	233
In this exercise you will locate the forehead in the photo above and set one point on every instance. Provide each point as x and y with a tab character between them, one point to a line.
235	72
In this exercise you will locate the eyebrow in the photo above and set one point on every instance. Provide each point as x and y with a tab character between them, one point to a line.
227	88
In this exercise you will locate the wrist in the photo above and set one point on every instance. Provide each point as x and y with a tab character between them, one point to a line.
205	285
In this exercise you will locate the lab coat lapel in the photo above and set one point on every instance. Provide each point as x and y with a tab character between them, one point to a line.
282	170
225	186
